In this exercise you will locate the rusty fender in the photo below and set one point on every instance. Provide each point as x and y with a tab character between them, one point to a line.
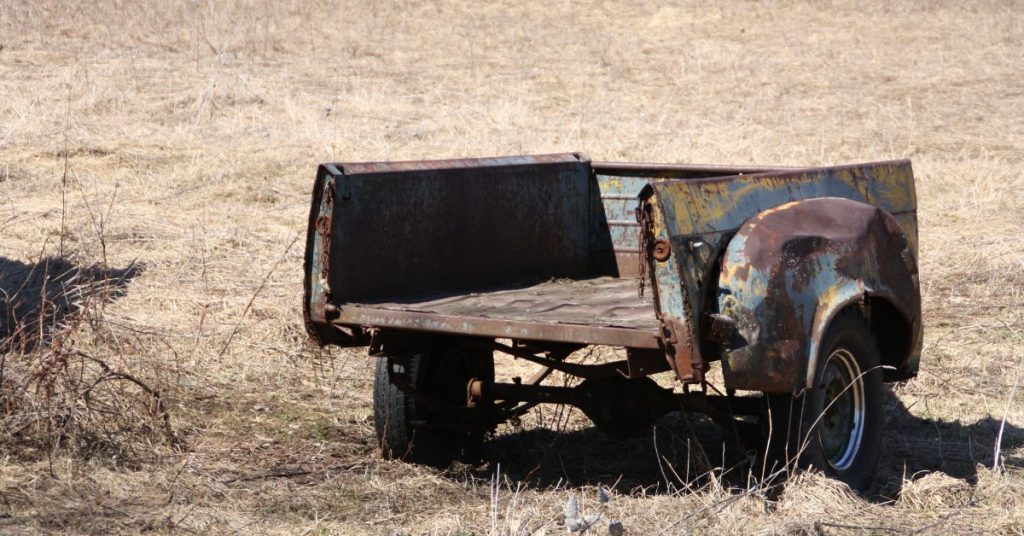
790	269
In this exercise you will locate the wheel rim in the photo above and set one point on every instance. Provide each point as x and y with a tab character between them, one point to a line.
842	419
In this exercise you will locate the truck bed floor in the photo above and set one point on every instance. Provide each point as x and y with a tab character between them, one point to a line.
604	310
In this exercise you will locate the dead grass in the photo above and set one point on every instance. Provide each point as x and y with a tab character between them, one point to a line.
191	133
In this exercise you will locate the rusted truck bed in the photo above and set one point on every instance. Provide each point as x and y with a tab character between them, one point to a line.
800	284
548	248
601	310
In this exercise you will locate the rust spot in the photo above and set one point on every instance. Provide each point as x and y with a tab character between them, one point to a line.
774	369
662	250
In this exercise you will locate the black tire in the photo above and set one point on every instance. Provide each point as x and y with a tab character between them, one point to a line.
410	430
836	425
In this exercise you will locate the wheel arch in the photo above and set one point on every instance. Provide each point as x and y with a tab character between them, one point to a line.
893	332
790	270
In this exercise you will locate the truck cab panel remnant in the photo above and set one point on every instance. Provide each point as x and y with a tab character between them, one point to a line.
790	269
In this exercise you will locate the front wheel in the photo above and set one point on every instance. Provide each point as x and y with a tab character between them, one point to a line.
836	425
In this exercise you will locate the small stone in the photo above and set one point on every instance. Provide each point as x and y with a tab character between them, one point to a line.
590	521
572	509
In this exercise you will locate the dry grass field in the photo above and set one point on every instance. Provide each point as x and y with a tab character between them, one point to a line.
156	161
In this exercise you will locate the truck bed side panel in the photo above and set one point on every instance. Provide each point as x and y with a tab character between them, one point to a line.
407	232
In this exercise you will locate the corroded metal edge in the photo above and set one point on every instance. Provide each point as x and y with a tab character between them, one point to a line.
500	328
363	168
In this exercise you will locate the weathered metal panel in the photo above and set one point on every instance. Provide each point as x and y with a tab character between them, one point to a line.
723	204
614	244
316	288
790	269
680	171
670	294
702	215
615	227
413	228
599	302
498	327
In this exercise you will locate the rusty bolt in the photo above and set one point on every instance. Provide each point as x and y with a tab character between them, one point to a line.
662	250
323	225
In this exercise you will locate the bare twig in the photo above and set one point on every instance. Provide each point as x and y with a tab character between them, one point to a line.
64	175
293	472
99	222
1002	425
871	528
929	528
256	293
280	473
158	405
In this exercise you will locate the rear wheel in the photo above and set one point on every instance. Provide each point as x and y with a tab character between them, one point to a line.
836	425
426	420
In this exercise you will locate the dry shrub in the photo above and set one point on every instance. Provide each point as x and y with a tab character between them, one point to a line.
1000	492
814	496
936	491
53	395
